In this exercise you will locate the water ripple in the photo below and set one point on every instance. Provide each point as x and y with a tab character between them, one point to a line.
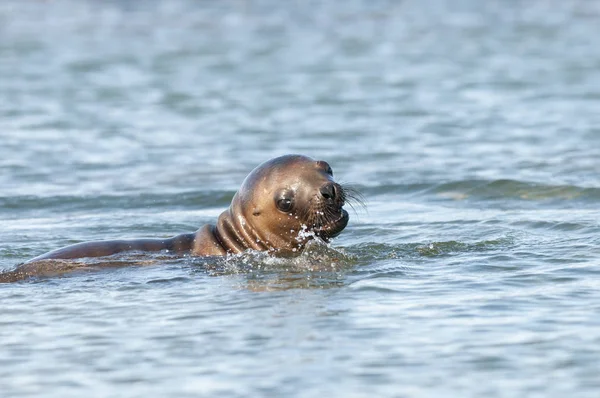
471	128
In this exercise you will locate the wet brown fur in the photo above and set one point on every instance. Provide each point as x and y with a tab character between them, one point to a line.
253	220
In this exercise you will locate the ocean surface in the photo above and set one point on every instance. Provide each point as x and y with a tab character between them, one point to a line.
471	128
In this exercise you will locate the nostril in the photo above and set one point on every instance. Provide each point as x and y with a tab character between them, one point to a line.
328	191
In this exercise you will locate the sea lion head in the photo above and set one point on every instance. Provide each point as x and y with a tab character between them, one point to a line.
282	204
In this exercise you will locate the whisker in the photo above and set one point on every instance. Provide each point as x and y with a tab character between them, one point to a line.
329	215
354	197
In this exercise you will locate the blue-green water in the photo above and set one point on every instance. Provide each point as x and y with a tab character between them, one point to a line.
471	128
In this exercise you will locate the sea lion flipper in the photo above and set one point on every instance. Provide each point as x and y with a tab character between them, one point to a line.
179	244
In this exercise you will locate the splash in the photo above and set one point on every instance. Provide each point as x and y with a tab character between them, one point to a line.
306	234
319	266
317	256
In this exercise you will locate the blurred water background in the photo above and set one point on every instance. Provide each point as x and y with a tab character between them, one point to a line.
472	129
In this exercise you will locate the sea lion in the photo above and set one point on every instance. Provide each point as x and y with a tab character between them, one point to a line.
281	205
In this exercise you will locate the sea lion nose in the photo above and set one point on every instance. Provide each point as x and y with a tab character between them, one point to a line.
328	191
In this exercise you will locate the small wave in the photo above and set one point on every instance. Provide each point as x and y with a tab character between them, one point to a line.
319	265
587	227
132	201
369	252
168	280
491	190
514	189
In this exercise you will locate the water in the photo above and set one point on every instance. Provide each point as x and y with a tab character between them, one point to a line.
471	128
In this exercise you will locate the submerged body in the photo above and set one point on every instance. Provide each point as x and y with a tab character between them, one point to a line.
281	204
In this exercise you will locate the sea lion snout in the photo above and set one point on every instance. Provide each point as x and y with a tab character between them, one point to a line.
332	193
328	191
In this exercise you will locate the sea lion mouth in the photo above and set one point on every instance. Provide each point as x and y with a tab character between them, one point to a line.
325	216
333	227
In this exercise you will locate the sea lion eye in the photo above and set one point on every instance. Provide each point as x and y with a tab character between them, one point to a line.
284	200
285	204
